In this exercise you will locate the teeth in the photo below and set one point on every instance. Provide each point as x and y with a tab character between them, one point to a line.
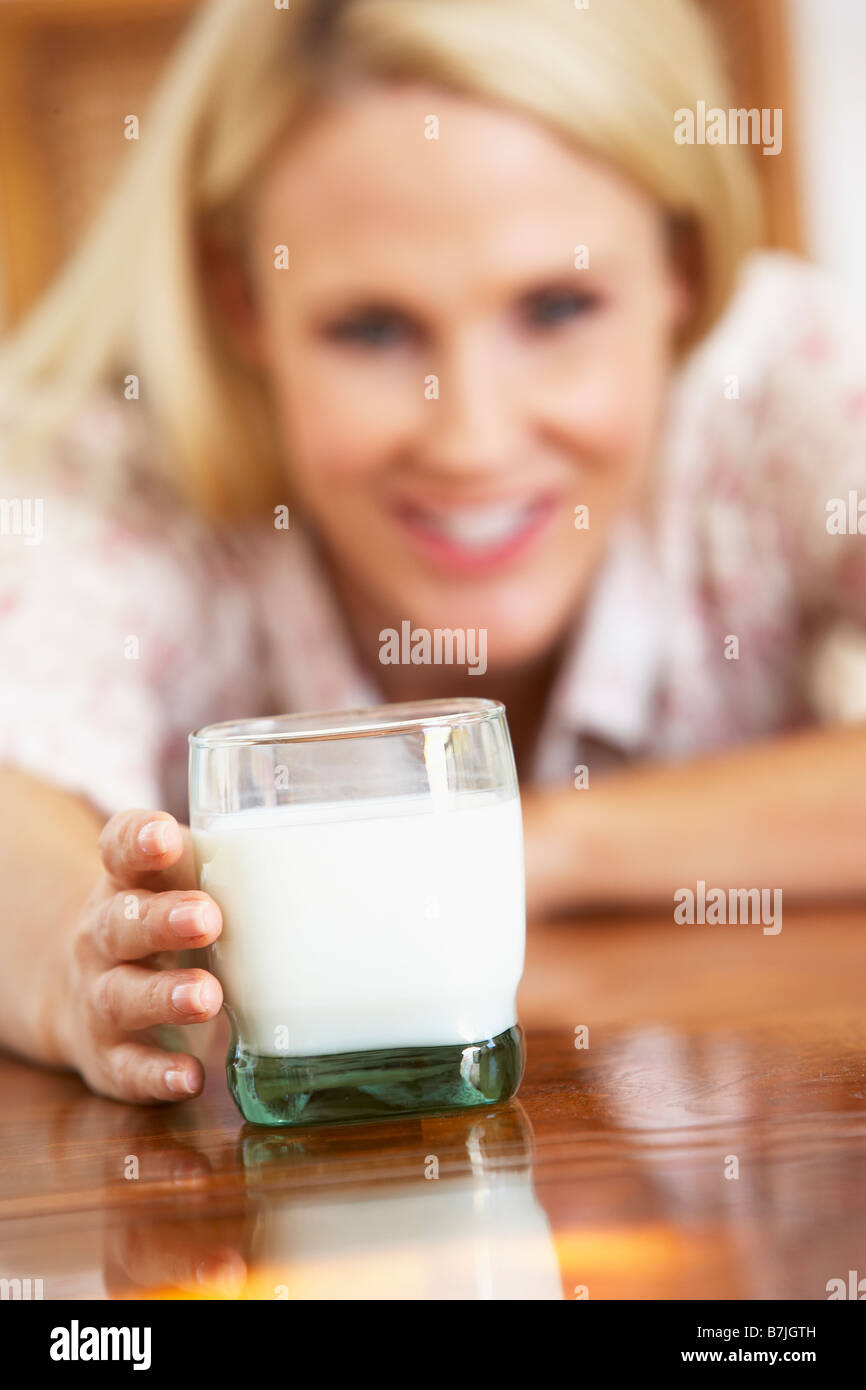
479	527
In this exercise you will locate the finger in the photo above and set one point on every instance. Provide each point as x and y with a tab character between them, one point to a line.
174	1164
135	1072
148	849
131	997
176	1255
131	925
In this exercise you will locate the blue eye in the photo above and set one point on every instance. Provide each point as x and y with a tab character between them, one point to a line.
374	329
553	307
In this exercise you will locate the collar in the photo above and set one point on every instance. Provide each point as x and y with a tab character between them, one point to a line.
311	659
609	676
605	688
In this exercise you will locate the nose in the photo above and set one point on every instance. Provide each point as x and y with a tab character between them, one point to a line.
472	427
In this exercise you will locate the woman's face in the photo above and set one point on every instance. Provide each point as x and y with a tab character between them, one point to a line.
449	386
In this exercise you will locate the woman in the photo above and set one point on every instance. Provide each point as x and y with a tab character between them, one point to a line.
414	310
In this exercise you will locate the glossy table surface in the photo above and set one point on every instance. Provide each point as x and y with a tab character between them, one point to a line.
708	1142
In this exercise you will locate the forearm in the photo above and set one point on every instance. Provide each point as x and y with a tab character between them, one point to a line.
790	814
49	861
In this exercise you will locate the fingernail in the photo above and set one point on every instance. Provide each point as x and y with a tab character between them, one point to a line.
153	837
180	1082
187	999
194	919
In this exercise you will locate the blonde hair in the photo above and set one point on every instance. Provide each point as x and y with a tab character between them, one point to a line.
607	78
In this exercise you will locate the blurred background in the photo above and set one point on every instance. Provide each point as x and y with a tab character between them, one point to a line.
72	70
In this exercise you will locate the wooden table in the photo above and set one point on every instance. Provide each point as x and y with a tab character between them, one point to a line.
710	1142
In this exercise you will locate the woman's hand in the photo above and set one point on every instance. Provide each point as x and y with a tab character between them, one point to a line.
734	817
120	977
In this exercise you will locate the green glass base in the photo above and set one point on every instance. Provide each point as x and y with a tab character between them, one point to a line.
373	1085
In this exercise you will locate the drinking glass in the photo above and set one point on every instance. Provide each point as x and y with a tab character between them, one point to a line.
369	868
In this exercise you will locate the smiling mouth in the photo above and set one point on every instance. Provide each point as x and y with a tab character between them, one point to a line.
477	536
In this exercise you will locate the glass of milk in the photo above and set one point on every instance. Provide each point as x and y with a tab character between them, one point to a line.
369	868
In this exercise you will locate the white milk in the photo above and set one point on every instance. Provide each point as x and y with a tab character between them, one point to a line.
368	924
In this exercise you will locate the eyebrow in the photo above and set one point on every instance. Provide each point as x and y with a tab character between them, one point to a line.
327	297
